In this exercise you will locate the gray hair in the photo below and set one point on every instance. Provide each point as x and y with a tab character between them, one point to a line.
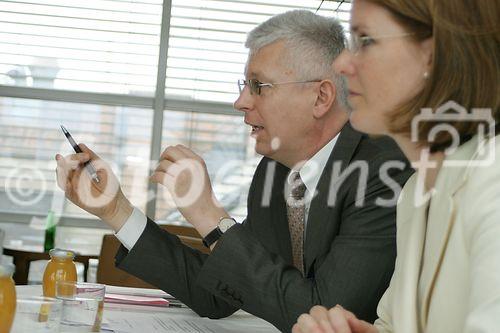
312	43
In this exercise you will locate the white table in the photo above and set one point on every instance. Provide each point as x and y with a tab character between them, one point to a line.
239	322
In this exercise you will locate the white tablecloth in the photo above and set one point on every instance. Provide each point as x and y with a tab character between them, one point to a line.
156	319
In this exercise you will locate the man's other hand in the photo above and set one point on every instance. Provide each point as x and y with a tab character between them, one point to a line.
185	175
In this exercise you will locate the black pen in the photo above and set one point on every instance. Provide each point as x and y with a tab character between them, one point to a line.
87	165
176	304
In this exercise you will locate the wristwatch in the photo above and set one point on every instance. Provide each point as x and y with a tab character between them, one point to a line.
224	224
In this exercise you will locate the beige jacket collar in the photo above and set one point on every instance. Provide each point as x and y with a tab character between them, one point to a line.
438	215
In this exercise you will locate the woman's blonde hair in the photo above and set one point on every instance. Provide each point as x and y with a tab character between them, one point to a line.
465	62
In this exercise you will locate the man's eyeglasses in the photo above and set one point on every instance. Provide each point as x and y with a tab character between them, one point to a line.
256	86
356	43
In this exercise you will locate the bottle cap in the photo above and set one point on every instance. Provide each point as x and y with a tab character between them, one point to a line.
62	254
7	269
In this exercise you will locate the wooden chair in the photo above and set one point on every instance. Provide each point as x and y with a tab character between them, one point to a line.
107	273
181	230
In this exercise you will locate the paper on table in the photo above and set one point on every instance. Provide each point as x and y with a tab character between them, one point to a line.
162	323
136	300
177	321
137	292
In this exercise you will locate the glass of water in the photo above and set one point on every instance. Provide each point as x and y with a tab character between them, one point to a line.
37	315
83	305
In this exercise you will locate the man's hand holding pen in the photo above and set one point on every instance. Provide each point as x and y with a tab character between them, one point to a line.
103	199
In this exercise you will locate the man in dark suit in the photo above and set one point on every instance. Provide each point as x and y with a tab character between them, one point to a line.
321	216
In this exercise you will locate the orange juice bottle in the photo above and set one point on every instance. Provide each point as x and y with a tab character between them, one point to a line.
60	268
7	298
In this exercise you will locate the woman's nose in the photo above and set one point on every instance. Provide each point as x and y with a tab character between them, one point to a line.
343	63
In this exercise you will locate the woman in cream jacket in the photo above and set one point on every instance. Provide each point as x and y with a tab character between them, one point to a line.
427	73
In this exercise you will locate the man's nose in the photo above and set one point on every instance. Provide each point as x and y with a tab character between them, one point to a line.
244	103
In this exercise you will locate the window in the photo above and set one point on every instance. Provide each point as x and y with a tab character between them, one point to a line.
128	78
31	137
224	144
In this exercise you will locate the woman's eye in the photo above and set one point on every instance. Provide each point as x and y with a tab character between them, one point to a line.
366	41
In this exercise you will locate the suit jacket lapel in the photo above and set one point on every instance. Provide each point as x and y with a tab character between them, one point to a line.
319	215
410	244
278	214
441	219
436	239
268	211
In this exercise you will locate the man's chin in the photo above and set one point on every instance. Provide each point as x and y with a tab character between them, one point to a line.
265	150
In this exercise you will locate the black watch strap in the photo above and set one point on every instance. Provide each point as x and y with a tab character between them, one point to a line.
212	237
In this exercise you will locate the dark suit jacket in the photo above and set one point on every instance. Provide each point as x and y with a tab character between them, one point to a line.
349	250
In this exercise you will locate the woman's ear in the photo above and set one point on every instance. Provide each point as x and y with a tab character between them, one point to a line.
325	97
427	46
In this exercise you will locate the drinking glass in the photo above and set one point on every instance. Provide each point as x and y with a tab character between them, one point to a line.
83	305
37	315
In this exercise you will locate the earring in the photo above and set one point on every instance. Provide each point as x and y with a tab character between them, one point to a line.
426	75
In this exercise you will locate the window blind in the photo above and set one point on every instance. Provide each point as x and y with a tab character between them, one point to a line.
105	46
206	48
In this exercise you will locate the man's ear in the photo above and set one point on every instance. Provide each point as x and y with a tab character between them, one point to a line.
325	97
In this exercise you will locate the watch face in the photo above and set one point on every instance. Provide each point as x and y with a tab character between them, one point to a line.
226	223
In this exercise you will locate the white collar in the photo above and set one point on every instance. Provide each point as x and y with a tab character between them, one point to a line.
311	171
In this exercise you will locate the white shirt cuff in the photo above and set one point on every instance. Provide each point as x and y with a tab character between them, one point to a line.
132	230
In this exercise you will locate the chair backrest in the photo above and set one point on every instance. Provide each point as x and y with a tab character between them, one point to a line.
181	230
188	236
107	273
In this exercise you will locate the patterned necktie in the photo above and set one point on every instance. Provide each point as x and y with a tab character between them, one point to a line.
295	208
